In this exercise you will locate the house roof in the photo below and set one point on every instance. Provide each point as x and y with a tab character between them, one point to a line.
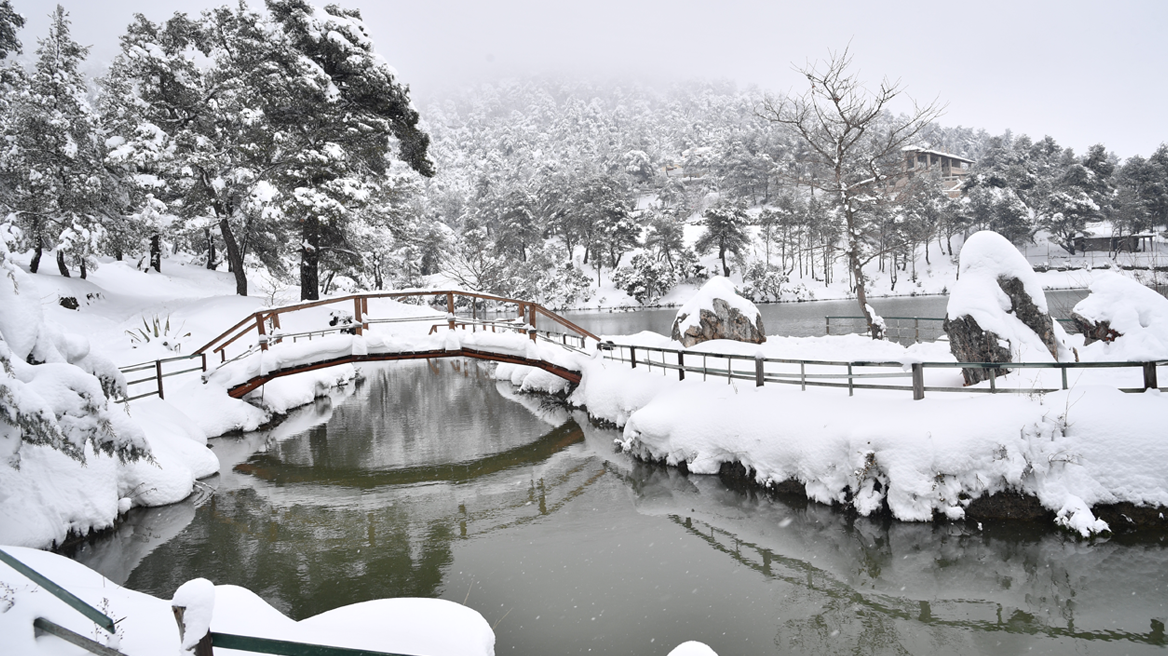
938	153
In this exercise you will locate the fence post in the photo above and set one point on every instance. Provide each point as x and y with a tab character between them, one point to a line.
803	376
1064	368
633	356
850	391
158	377
918	378
204	356
680	365
1150	376
917	329
357	314
758	375
827	320
203	647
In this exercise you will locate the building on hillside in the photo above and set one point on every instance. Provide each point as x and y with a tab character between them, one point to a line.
951	168
1089	241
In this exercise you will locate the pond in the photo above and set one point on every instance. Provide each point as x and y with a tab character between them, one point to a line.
431	479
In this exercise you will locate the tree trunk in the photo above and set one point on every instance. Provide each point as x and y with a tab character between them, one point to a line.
81	267
310	258
210	248
234	257
156	253
61	264
38	250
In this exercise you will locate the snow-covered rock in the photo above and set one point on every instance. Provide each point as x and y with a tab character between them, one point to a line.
997	311
1132	317
716	311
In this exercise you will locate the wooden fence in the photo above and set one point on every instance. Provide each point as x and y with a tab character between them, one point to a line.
844	374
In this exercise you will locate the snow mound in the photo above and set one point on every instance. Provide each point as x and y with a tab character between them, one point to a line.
1137	313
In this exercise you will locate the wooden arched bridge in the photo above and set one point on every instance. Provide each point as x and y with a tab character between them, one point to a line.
383	326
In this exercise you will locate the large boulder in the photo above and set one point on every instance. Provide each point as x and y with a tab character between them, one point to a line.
718	312
1131	319
997	311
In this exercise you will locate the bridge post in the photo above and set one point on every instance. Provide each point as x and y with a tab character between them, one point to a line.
357	315
680	365
758	370
633	356
259	316
1150	376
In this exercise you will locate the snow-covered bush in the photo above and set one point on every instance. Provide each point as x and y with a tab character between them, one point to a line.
645	279
764	283
53	390
564	286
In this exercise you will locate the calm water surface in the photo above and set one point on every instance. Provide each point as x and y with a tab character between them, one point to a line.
432	480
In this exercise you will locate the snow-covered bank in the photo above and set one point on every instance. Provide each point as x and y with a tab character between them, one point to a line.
1072	450
146	624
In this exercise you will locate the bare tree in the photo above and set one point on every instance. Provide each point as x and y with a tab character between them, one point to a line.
854	145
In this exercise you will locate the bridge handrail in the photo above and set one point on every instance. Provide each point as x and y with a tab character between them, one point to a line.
360	300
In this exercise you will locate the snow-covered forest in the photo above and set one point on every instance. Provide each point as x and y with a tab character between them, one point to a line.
279	143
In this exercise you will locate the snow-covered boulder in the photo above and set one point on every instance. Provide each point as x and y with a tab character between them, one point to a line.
718	312
997	311
1128	315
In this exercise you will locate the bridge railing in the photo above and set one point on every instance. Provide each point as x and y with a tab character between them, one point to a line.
851	375
258	330
265	324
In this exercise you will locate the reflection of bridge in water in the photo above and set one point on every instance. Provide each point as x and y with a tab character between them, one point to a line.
875	608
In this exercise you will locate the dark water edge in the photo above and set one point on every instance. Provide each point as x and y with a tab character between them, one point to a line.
567	546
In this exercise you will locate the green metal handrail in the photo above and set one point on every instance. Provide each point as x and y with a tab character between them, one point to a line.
99	618
286	647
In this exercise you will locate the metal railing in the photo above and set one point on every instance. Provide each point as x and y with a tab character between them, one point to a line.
48	626
845	374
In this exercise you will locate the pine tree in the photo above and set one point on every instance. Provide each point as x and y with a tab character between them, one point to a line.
54	160
725	232
334	106
181	104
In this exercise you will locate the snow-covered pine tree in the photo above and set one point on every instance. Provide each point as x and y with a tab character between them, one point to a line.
725	224
54	161
334	105
187	125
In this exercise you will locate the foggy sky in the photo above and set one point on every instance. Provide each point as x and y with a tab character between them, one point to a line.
1082	72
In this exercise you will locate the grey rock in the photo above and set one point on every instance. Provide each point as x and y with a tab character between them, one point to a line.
969	342
725	322
1095	331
